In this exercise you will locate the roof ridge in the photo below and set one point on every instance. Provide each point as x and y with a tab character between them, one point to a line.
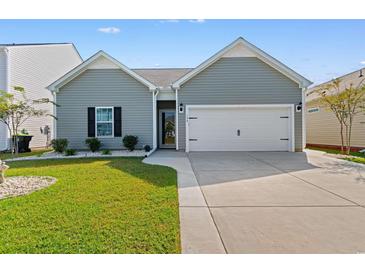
339	77
157	68
34	44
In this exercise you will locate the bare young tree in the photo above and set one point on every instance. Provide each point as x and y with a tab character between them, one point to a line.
345	103
16	108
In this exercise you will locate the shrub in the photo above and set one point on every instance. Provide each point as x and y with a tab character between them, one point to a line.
147	148
59	145
106	152
70	152
93	143
130	142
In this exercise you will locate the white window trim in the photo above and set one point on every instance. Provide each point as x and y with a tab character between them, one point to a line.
313	110
96	122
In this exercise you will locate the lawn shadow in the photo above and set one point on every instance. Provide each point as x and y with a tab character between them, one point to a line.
344	167
161	176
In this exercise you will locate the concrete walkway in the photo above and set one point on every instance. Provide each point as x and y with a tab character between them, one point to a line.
82	154
198	232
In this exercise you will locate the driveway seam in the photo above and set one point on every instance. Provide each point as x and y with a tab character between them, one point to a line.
206	202
305	181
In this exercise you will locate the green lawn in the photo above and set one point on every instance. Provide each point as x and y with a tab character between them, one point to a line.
357	160
6	155
117	205
360	157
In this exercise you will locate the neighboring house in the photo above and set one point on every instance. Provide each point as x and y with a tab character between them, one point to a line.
240	99
323	129
33	67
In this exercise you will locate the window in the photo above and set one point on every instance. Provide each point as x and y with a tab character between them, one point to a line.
104	122
312	110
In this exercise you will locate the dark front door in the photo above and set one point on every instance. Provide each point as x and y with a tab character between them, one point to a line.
167	128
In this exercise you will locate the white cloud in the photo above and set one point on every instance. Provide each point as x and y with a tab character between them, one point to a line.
157	65
170	21
197	21
362	62
109	30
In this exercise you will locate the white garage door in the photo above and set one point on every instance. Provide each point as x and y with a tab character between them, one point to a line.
239	128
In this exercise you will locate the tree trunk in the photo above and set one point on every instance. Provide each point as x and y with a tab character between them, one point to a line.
346	137
342	141
12	136
349	138
16	141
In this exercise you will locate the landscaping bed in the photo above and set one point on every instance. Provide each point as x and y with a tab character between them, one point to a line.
21	185
357	157
109	205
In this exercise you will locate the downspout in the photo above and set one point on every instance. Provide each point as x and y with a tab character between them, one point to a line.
304	112
154	118
55	114
176	119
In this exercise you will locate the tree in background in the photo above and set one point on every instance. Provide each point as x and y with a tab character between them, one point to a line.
345	103
16	108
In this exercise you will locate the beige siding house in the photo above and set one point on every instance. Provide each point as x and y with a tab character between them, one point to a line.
322	125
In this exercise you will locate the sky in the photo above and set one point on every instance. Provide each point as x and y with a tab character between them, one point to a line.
320	50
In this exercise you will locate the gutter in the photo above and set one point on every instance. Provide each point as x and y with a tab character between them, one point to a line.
154	118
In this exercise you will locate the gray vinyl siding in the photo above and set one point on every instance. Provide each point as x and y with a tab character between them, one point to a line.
104	87
240	80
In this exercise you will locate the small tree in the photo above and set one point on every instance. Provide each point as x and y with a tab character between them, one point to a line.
16	108
345	104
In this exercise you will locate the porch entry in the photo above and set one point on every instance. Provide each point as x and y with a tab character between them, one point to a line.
167	135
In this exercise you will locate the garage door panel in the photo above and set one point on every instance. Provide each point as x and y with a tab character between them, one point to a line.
239	129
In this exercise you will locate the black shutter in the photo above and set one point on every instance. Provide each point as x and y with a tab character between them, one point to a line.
163	127
90	122
117	122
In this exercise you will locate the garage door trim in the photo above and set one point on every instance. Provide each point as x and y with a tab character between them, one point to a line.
289	106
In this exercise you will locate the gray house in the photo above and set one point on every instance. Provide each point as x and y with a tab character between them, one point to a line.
240	99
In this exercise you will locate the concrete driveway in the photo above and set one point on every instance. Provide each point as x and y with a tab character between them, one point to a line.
277	202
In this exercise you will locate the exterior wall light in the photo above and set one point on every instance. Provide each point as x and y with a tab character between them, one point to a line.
298	107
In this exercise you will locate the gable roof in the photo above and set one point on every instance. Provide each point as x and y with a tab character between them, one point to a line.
162	77
32	44
356	78
19	45
302	81
83	66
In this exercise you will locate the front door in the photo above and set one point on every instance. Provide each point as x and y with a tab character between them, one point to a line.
167	128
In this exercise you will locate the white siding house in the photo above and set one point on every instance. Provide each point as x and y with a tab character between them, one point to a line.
34	67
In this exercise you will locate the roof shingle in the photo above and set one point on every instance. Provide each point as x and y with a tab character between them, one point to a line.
162	77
